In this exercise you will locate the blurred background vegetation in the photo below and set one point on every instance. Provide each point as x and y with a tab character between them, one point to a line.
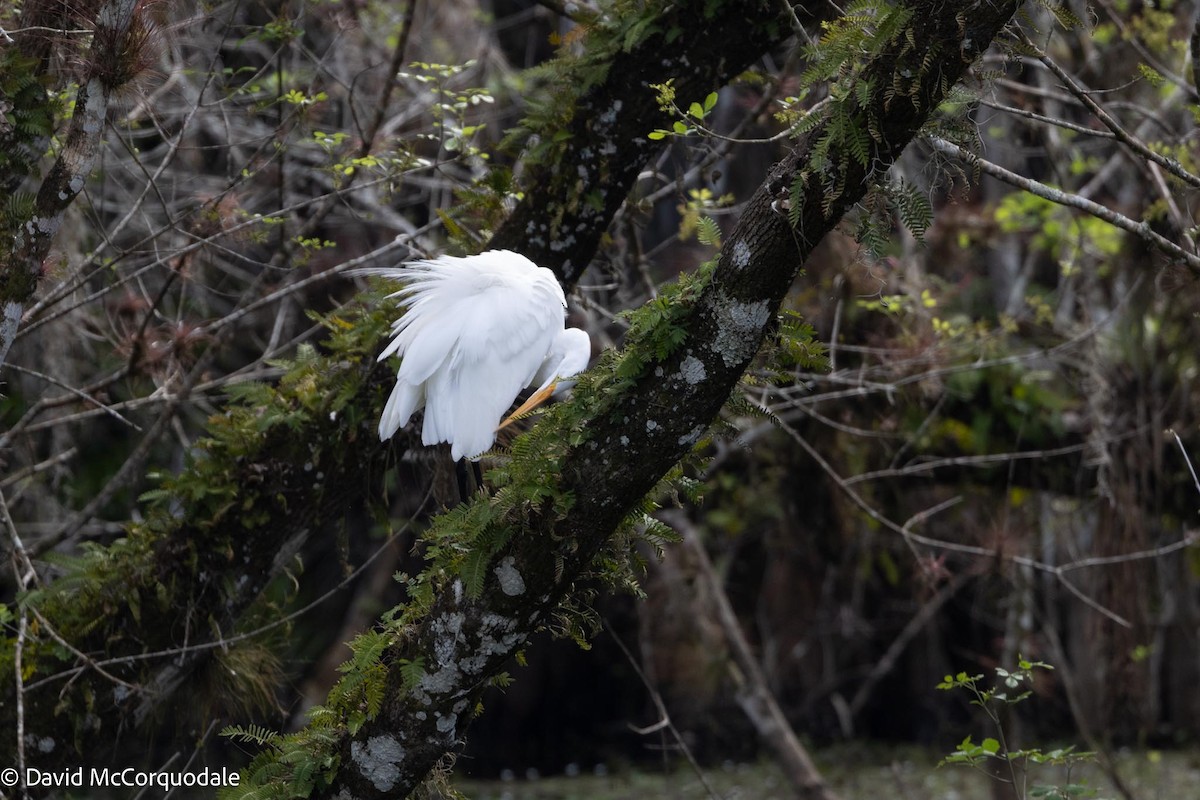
994	465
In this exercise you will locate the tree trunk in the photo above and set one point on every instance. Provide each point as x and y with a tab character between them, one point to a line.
630	438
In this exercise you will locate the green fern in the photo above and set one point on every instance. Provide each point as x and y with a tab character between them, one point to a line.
707	232
253	734
913	207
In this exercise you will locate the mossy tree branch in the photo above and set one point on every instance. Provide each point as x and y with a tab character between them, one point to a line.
277	479
226	527
581	184
118	53
632	437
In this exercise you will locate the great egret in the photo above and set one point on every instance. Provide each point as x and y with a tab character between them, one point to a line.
474	333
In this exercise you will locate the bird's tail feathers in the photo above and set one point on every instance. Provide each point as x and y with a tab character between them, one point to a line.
403	401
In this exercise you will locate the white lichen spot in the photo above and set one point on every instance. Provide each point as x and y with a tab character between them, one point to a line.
96	106
511	582
446	724
651	425
447	631
691	437
658	371
625	441
738	328
444	681
473	665
741	254
692	370
378	760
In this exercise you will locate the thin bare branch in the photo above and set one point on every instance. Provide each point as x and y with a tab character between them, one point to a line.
1140	229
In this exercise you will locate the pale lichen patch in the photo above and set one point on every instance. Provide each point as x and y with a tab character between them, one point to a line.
691	437
379	760
738	329
741	254
692	370
511	582
444	681
447	631
447	723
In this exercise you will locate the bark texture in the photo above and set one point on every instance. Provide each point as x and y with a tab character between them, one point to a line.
648	428
699	47
116	55
203	574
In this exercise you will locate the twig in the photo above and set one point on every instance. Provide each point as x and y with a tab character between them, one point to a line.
1036	117
911	538
754	696
389	84
663	715
25	574
1076	704
41	466
225	642
18	669
79	393
1139	229
1187	460
914	626
1129	140
87	660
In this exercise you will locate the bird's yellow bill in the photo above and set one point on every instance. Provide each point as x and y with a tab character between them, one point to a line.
535	400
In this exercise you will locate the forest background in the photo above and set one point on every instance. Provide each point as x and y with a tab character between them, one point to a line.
898	312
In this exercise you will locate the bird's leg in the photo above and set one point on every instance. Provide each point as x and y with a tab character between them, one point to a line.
535	400
470	480
464	480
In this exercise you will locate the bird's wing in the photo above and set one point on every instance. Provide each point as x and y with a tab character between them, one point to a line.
402	402
474	333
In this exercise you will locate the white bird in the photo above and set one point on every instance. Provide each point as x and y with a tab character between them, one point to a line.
474	333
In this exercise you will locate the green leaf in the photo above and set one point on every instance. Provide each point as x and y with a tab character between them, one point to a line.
411	672
710	101
474	570
696	111
707	232
990	746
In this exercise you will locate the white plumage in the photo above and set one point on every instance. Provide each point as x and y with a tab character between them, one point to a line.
475	332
